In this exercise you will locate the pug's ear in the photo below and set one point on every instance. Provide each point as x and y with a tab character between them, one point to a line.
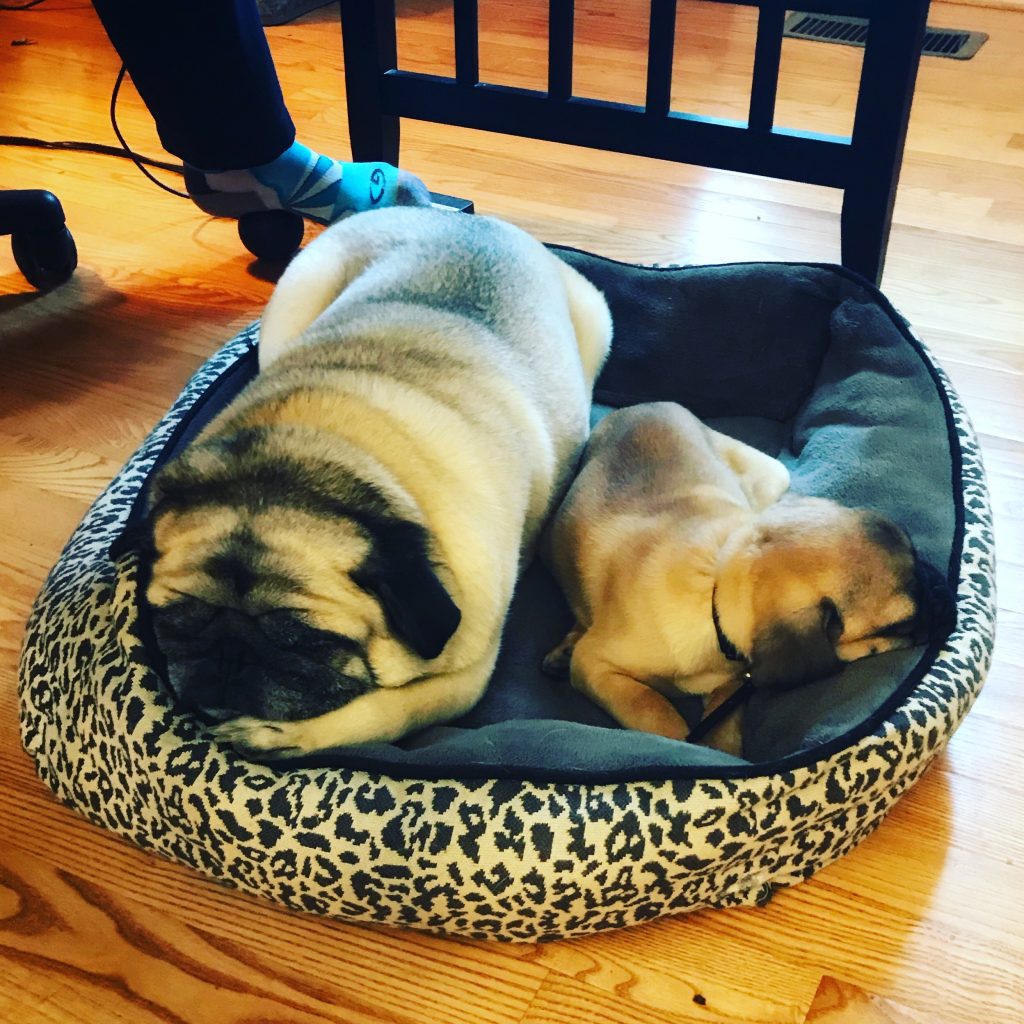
799	648
137	535
936	602
398	573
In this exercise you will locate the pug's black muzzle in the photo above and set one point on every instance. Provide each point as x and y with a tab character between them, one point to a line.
223	663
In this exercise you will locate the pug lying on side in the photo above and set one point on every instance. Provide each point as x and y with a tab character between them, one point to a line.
335	554
688	565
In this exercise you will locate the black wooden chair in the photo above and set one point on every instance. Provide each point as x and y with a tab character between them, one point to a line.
865	165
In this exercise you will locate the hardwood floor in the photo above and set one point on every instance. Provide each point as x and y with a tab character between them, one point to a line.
924	922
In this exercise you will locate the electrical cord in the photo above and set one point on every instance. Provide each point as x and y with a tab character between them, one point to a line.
84	147
98	147
128	150
20	7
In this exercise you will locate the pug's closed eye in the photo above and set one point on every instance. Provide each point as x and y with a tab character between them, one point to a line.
903	628
285	629
186	616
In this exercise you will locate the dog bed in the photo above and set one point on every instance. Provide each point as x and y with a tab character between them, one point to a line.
534	817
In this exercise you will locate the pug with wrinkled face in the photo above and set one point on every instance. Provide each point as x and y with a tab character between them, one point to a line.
689	567
334	556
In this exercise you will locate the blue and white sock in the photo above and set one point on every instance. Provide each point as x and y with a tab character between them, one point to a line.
313	185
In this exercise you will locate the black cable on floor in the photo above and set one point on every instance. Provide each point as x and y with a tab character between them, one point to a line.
98	147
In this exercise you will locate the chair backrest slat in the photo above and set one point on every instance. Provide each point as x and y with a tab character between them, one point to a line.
767	55
660	50
467	43
866	165
560	37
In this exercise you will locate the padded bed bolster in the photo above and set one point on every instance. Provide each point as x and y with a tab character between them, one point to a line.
705	340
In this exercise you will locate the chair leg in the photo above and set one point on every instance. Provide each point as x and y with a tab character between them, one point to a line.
368	41
864	225
374	138
889	73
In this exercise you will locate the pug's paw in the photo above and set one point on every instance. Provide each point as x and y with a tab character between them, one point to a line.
267	740
558	660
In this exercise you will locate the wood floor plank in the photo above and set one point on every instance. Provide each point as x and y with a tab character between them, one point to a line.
562	1000
837	1002
250	962
147	962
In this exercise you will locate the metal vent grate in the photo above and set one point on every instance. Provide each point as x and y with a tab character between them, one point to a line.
960	44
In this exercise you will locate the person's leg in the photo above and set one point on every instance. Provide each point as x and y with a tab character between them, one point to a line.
204	70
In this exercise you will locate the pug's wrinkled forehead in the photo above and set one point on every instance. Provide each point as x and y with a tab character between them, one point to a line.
254	514
252	561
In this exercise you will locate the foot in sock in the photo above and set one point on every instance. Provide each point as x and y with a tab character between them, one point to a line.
315	186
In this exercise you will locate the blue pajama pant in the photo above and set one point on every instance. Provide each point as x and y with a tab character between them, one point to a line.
204	70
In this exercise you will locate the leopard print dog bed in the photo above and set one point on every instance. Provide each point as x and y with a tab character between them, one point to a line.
534	817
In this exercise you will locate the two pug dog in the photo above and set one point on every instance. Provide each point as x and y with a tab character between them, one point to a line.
334	556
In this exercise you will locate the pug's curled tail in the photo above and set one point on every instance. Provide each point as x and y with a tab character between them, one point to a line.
591	320
309	284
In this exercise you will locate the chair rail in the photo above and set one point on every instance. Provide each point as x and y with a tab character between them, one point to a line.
865	165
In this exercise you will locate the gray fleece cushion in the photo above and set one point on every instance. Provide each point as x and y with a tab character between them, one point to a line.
811	365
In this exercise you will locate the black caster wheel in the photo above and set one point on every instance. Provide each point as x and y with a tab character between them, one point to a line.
46	258
271	234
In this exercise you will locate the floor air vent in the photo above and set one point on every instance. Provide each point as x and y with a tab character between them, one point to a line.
834	28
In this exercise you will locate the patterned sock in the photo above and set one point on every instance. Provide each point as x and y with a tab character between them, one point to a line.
315	186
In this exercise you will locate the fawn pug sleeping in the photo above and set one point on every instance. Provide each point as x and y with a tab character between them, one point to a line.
689	565
334	556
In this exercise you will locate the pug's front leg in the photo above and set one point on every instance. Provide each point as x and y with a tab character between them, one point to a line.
764	480
727	736
557	661
628	700
257	736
